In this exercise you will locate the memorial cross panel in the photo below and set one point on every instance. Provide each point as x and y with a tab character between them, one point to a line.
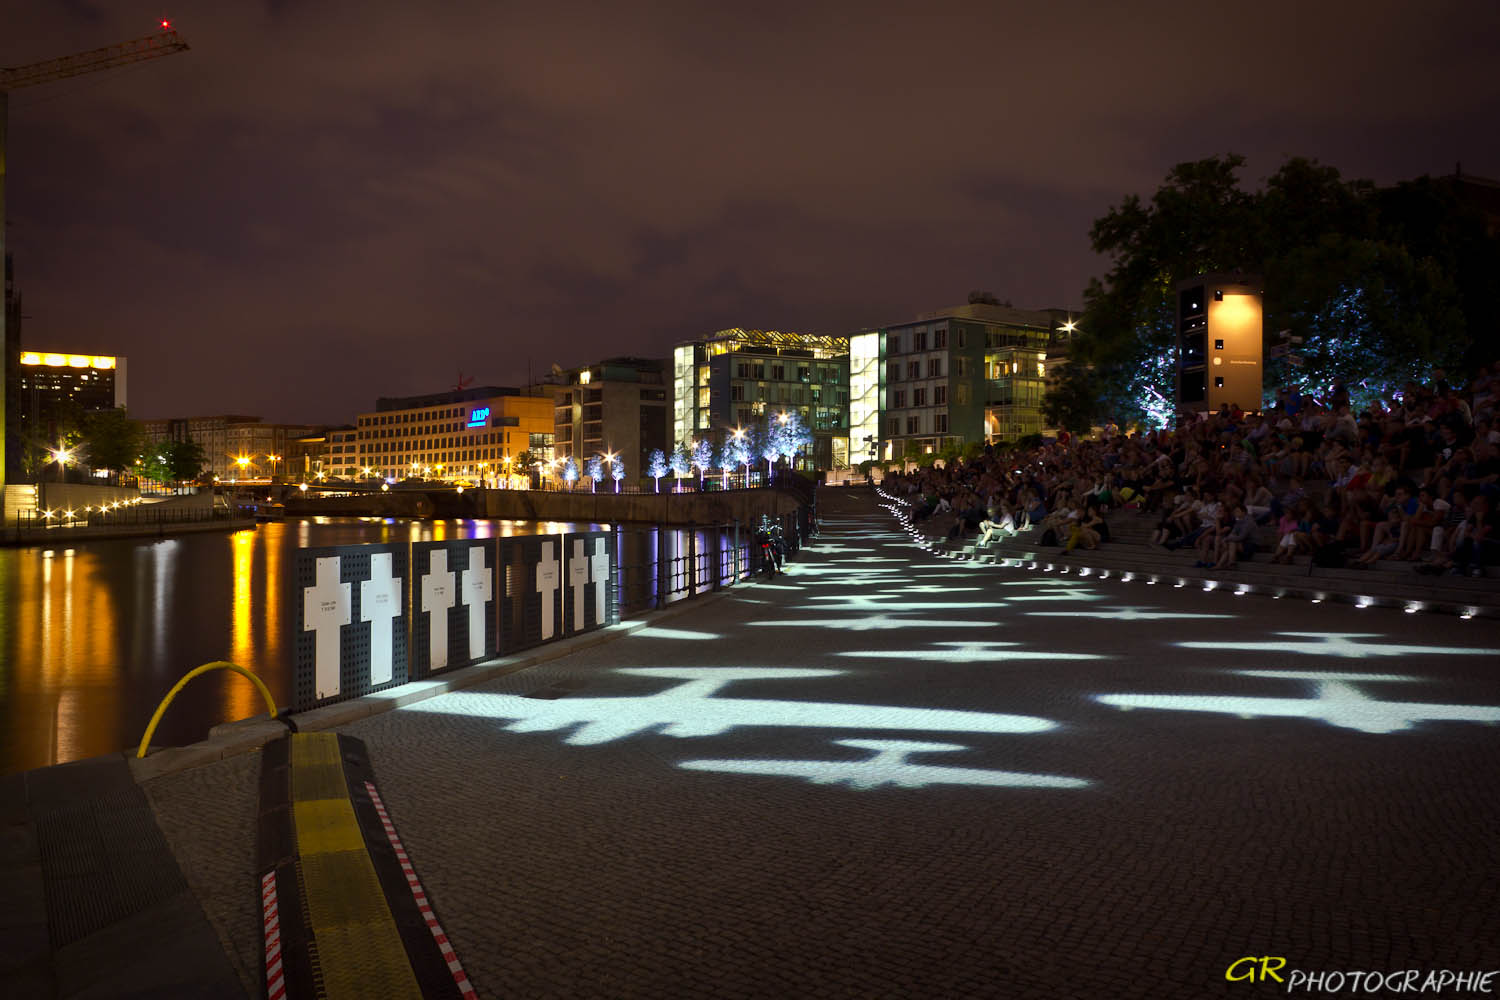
351	628
453	604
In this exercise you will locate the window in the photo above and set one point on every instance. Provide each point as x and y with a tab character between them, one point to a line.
900	402
893	372
914	425
939	395
804	372
760	370
893	343
741	370
778	373
962	340
961	394
940	423
919	341
939	339
934	367
961	366
914	369
895	426
919	397
737	392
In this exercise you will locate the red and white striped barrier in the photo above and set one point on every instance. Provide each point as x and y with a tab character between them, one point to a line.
423	905
275	974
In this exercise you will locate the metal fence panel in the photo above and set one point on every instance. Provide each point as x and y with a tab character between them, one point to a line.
453	604
350	614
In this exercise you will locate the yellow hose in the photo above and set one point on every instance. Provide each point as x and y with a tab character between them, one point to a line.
216	665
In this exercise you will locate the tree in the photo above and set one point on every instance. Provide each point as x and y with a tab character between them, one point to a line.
682	463
185	460
111	439
595	471
617	471
737	452
1381	283
727	463
658	467
789	436
703	458
570	471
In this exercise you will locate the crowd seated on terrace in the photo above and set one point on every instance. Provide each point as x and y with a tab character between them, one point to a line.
1414	479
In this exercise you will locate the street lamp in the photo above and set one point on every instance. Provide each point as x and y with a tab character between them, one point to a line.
610	458
61	455
273	459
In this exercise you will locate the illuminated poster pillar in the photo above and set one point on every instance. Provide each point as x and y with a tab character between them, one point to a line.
1219	342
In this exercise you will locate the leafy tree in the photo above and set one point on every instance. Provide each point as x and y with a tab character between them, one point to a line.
185	460
658	467
595	471
111	439
617	471
570	471
682	463
703	458
1380	284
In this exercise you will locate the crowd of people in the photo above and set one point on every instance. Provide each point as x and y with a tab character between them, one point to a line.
1415	478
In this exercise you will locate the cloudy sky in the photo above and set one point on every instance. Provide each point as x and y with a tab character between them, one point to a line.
330	200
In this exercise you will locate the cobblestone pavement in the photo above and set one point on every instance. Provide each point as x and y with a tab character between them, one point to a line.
888	775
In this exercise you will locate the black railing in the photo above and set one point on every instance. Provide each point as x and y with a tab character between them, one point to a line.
663	564
109	516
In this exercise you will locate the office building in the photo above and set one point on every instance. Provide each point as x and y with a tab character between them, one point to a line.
618	406
54	392
1219	363
975	372
473	434
234	446
742	378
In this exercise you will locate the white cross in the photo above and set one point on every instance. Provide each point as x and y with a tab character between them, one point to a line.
477	593
379	602
325	610
437	598
599	574
578	577
546	585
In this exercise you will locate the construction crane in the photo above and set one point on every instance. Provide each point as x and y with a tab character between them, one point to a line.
165	43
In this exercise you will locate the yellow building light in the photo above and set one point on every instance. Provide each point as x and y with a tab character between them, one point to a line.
102	361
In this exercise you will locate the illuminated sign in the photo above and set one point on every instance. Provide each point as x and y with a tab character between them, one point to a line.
67	360
478	416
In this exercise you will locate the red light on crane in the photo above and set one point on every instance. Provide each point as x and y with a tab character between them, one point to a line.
166	25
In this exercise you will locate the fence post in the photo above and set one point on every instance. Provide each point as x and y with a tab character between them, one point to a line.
662	576
736	550
692	560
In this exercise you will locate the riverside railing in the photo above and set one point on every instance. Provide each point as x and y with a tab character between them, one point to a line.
113	515
369	617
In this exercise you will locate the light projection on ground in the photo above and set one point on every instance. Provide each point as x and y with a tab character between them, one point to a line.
927	588
1058	594
879	602
969	652
1336	701
657	632
690	709
888	766
1124	614
870	622
1343	644
849	571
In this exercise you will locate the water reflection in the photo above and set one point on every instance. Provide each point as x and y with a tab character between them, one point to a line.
92	637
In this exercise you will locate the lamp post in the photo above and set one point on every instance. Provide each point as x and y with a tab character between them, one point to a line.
61	456
273	459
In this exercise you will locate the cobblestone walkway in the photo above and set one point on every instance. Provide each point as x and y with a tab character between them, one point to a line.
889	775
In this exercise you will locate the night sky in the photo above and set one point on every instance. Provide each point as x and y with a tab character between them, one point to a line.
324	202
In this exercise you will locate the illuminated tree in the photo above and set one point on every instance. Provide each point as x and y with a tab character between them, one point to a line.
617	471
1381	284
570	471
658	467
703	458
682	464
595	471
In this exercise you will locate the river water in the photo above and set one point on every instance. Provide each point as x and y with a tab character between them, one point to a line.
93	634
